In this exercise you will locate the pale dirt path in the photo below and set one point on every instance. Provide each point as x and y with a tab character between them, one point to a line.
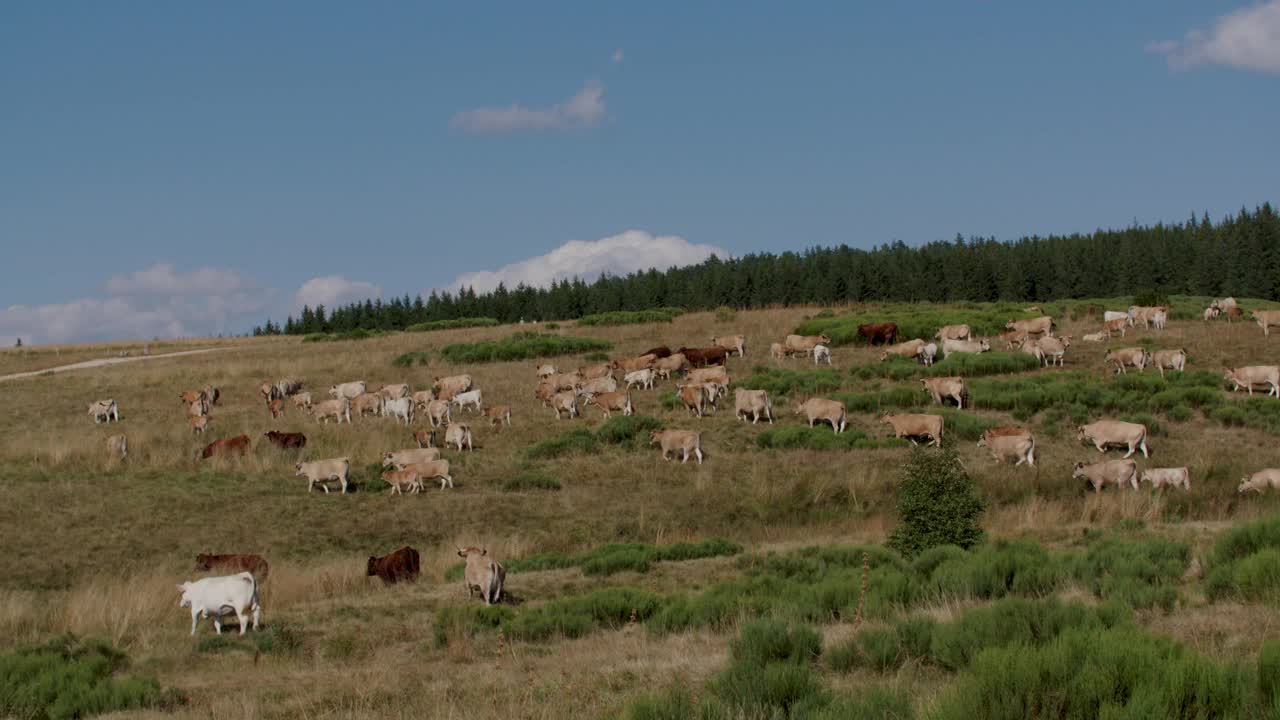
101	362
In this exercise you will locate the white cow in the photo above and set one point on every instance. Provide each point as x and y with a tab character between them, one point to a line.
348	390
928	353
104	411
470	398
400	408
642	378
219	596
821	354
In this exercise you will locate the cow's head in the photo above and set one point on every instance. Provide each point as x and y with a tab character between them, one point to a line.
203	562
1078	471
655	437
887	418
185	600
824	339
297	468
468	551
372	568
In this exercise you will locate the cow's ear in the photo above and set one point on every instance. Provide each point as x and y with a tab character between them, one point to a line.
182	587
484	551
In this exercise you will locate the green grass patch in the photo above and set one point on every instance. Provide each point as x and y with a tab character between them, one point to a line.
529	479
409	359
614	558
454	324
521	346
357	334
619	430
631	317
798	383
966	365
71	678
1245	564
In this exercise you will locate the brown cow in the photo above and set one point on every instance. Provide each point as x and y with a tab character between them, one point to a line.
276	407
284	441
238	445
425	438
399	566
885	333
232	564
659	352
702	357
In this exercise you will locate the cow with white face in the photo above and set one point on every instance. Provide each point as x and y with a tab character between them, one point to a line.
219	596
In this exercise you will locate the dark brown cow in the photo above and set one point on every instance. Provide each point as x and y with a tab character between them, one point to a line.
232	564
284	441
401	565
702	357
238	445
659	352
885	333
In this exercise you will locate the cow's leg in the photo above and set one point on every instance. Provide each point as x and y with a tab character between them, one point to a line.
244	620
195	618
1132	449
698	451
1102	447
685	458
217	623
1143	444
257	615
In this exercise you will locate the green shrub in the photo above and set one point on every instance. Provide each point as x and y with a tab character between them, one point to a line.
937	504
620	430
1269	671
551	326
798	383
278	637
468	620
72	678
452	324
577	615
521	346
1246	563
994	571
819	437
967	365
920	320
529	480
624	430
578	440
771	669
357	334
409	359
867	703
1140	574
629	317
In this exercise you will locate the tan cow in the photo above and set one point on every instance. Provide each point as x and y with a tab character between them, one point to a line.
302	401
1114	472
367	404
685	442
803	344
433	469
954	332
275	407
546	371
190	396
755	403
338	409
1250	375
401	459
778	351
713	373
117	447
1006	442
1119	325
736	343
1171	477
201	406
913	425
322	471
599	385
1054	349
449	386
663	367
909	349
1169	359
964	346
1041	325
627	365
564	381
391	392
1211	313
1123	358
941	388
1115	432
599	370
612	401
422	398
694	397
425	438
565	402
1013	339
1267	319
348	390
439	413
1095	337
198	423
1261	480
401	480
482	573
498	414
642	379
459	434
825	411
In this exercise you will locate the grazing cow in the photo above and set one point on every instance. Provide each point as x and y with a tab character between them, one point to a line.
401	459
1250	375
565	402
367	404
1234	312
482	573
421	398
778	351
715	373
640	378
498	414
399	566
391	392
1119	325
599	385
470	399
402	480
908	349
693	397
736	343
200	406
458	434
1015	442
1224	304
1160	318
964	346
1095	337
883	333
348	390
913	425
447	387
662	351
612	401
189	396
544	391
942	388
664	366
104	411
599	370
685	442
219	596
322	471
439	413
285	441
546	371
1261	480
954	332
1115	432
803	344
1170	359
117	447
1171	477
275	407
425	438
1037	326
238	445
1122	358
280	388
627	365
1110	315
702	357
1032	348
1114	472
1267	319
302	401
825	411
928	353
1053	350
821	353
564	381
1211	313
338	409
1147	315
755	403
400	408
1013	339
231	564
198	423
433	469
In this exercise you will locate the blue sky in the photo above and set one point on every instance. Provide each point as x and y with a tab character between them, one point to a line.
184	168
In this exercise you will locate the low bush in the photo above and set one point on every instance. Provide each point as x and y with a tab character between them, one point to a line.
630	317
551	326
454	324
771	670
468	620
1269	672
529	480
791	383
621	430
578	440
521	346
937	504
409	359
1138	573
965	365
726	314
357	334
991	571
625	430
577	615
71	678
1246	563
819	437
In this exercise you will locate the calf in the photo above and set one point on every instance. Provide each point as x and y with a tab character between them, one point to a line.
398	566
197	423
684	441
425	438
498	414
400	408
275	407
285	441
1123	358
117	447
1172	477
1119	325
821	354
402	480
339	410
908	349
664	366
104	411
255	564
218	596
482	573
693	397
302	401
565	402
439	413
238	445
599	385
640	378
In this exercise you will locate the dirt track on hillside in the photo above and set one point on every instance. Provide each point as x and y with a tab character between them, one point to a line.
102	362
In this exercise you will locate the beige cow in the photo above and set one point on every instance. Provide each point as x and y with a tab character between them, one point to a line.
913	425
1010	442
322	471
439	413
498	414
1111	472
563	381
401	459
565	402
1119	325
964	346
104	411
1251	375
367	404
909	349
954	332
612	402
459	434
338	409
482	573
1123	358
1267	319
1167	477
685	442
627	365
1169	359
402	480
1261	480
348	390
803	344
713	373
642	379
432	470
694	398
117	447
1104	433
1036	326
1013	339
302	401
599	370
755	403
422	398
1054	349
825	411
198	423
778	351
1095	337
941	388
737	343
391	392
599	385
663	367
425	438
452	385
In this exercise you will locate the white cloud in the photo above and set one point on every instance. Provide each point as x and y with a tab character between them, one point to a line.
632	251
617	55
332	291
156	302
1248	39
586	109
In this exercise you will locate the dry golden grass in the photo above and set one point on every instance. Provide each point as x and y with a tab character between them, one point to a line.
96	548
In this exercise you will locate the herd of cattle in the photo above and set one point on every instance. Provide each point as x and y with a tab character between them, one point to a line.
704	380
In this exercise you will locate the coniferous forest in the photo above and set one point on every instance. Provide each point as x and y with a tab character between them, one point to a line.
1239	255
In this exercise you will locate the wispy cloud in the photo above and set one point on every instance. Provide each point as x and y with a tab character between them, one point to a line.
617	55
333	290
1248	39
586	109
631	251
